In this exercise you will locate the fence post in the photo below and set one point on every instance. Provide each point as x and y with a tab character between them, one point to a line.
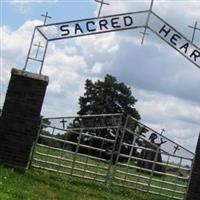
194	185
121	138
34	144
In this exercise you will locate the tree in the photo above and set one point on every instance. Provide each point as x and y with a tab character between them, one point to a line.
107	96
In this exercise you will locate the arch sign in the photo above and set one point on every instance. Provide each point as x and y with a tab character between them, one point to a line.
143	19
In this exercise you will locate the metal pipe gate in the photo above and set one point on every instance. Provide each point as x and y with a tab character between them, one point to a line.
113	149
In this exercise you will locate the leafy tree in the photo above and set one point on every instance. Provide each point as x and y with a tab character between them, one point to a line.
107	96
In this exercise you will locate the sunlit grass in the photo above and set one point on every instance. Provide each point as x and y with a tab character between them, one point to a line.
103	171
40	185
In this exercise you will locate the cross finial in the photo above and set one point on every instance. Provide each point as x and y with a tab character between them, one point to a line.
63	121
162	131
176	148
102	3
194	30
38	48
45	17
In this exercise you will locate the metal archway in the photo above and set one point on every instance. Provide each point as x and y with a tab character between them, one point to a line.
146	19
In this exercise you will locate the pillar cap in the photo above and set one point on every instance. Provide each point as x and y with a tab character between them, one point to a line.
31	75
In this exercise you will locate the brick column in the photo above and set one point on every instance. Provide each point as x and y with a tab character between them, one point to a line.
20	118
194	185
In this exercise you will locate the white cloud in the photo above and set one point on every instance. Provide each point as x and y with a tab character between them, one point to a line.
184	12
103	44
168	107
54	87
14	47
96	69
65	68
178	117
17	41
162	6
164	81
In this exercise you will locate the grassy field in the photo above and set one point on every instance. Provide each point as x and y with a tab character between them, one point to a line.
124	176
38	184
43	185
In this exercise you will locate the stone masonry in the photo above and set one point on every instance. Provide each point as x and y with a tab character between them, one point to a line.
20	120
194	185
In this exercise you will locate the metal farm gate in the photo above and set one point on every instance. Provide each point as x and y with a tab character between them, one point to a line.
78	146
113	149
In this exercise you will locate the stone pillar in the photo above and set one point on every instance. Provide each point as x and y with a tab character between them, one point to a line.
20	120
194	185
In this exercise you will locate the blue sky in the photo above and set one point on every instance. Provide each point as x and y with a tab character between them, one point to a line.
164	82
16	13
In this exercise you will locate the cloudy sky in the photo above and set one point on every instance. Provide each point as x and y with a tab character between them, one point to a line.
164	82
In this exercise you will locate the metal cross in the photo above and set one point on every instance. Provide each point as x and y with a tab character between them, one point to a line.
38	48
194	31
147	22
176	148
102	3
45	17
63	122
162	131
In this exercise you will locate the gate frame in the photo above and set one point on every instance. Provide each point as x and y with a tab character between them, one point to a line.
111	169
150	13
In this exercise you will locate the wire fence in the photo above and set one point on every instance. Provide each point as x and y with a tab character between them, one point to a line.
116	150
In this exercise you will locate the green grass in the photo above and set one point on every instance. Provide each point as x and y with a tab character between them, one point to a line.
43	185
38	184
133	175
